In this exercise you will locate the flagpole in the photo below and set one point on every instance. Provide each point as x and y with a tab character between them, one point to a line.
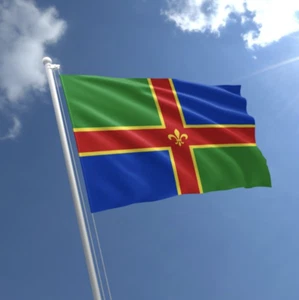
72	178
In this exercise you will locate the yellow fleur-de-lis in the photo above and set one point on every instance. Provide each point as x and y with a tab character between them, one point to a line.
178	137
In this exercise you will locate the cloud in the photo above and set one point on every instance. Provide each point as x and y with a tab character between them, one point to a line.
269	68
14	129
273	19
25	33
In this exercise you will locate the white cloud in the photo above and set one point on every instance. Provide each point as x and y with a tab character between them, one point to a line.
25	33
14	129
274	19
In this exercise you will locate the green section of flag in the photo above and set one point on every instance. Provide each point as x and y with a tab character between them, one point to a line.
109	102
226	168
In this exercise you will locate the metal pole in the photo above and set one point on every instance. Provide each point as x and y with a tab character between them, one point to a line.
72	178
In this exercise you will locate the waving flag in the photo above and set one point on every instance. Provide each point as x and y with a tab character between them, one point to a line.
148	139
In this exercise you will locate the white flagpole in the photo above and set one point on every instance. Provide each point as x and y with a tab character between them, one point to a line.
74	187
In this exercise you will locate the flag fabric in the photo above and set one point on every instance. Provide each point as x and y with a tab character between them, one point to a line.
143	140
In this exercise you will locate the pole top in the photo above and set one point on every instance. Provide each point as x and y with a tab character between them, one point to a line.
47	60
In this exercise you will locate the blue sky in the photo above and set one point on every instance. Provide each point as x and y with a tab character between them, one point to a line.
239	244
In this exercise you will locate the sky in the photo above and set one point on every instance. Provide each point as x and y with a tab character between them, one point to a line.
230	245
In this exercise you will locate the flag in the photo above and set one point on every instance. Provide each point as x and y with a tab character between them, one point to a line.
143	140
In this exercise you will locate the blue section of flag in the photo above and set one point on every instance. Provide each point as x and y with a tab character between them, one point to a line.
117	180
202	104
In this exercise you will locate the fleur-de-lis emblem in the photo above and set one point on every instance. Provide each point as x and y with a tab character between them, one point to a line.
178	137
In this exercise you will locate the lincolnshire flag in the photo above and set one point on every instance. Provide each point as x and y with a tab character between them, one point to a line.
147	139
